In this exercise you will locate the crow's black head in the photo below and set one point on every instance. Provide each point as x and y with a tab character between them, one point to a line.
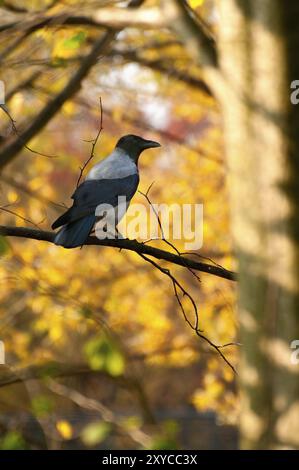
133	145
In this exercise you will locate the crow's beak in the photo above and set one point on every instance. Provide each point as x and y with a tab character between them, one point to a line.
148	144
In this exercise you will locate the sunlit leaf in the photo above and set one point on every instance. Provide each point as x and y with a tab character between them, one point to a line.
75	41
167	438
12	440
4	246
42	405
94	433
196	3
65	429
102	354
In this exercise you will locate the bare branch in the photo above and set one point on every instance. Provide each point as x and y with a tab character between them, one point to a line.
15	130
20	186
4	209
13	45
165	68
146	195
146	18
95	405
131	245
135	3
35	24
50	369
27	83
9	152
13	8
178	287
200	45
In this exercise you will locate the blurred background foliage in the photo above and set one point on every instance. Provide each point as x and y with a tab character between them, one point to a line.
97	351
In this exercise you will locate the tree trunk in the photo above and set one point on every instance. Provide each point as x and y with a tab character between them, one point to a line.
259	57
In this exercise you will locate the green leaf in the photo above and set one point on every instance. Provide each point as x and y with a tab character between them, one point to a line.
115	363
102	354
42	405
132	422
167	438
12	441
75	41
4	246
95	433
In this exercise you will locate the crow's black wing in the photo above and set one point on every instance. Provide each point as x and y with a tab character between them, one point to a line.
91	193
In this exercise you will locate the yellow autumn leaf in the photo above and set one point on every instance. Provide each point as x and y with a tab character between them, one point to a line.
12	196
65	429
196	3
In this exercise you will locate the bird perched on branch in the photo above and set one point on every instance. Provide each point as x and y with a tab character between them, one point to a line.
115	176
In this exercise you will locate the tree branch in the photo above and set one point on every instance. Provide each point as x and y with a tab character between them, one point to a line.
52	107
51	369
200	45
131	245
147	18
174	15
20	186
93	145
106	414
24	84
163	67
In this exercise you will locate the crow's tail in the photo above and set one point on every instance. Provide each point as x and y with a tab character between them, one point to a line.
75	233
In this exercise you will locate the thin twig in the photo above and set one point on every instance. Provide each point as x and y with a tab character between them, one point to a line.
137	435
207	258
93	144
199	333
20	186
15	130
4	208
146	195
9	152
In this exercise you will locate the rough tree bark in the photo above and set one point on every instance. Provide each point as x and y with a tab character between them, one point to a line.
258	54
